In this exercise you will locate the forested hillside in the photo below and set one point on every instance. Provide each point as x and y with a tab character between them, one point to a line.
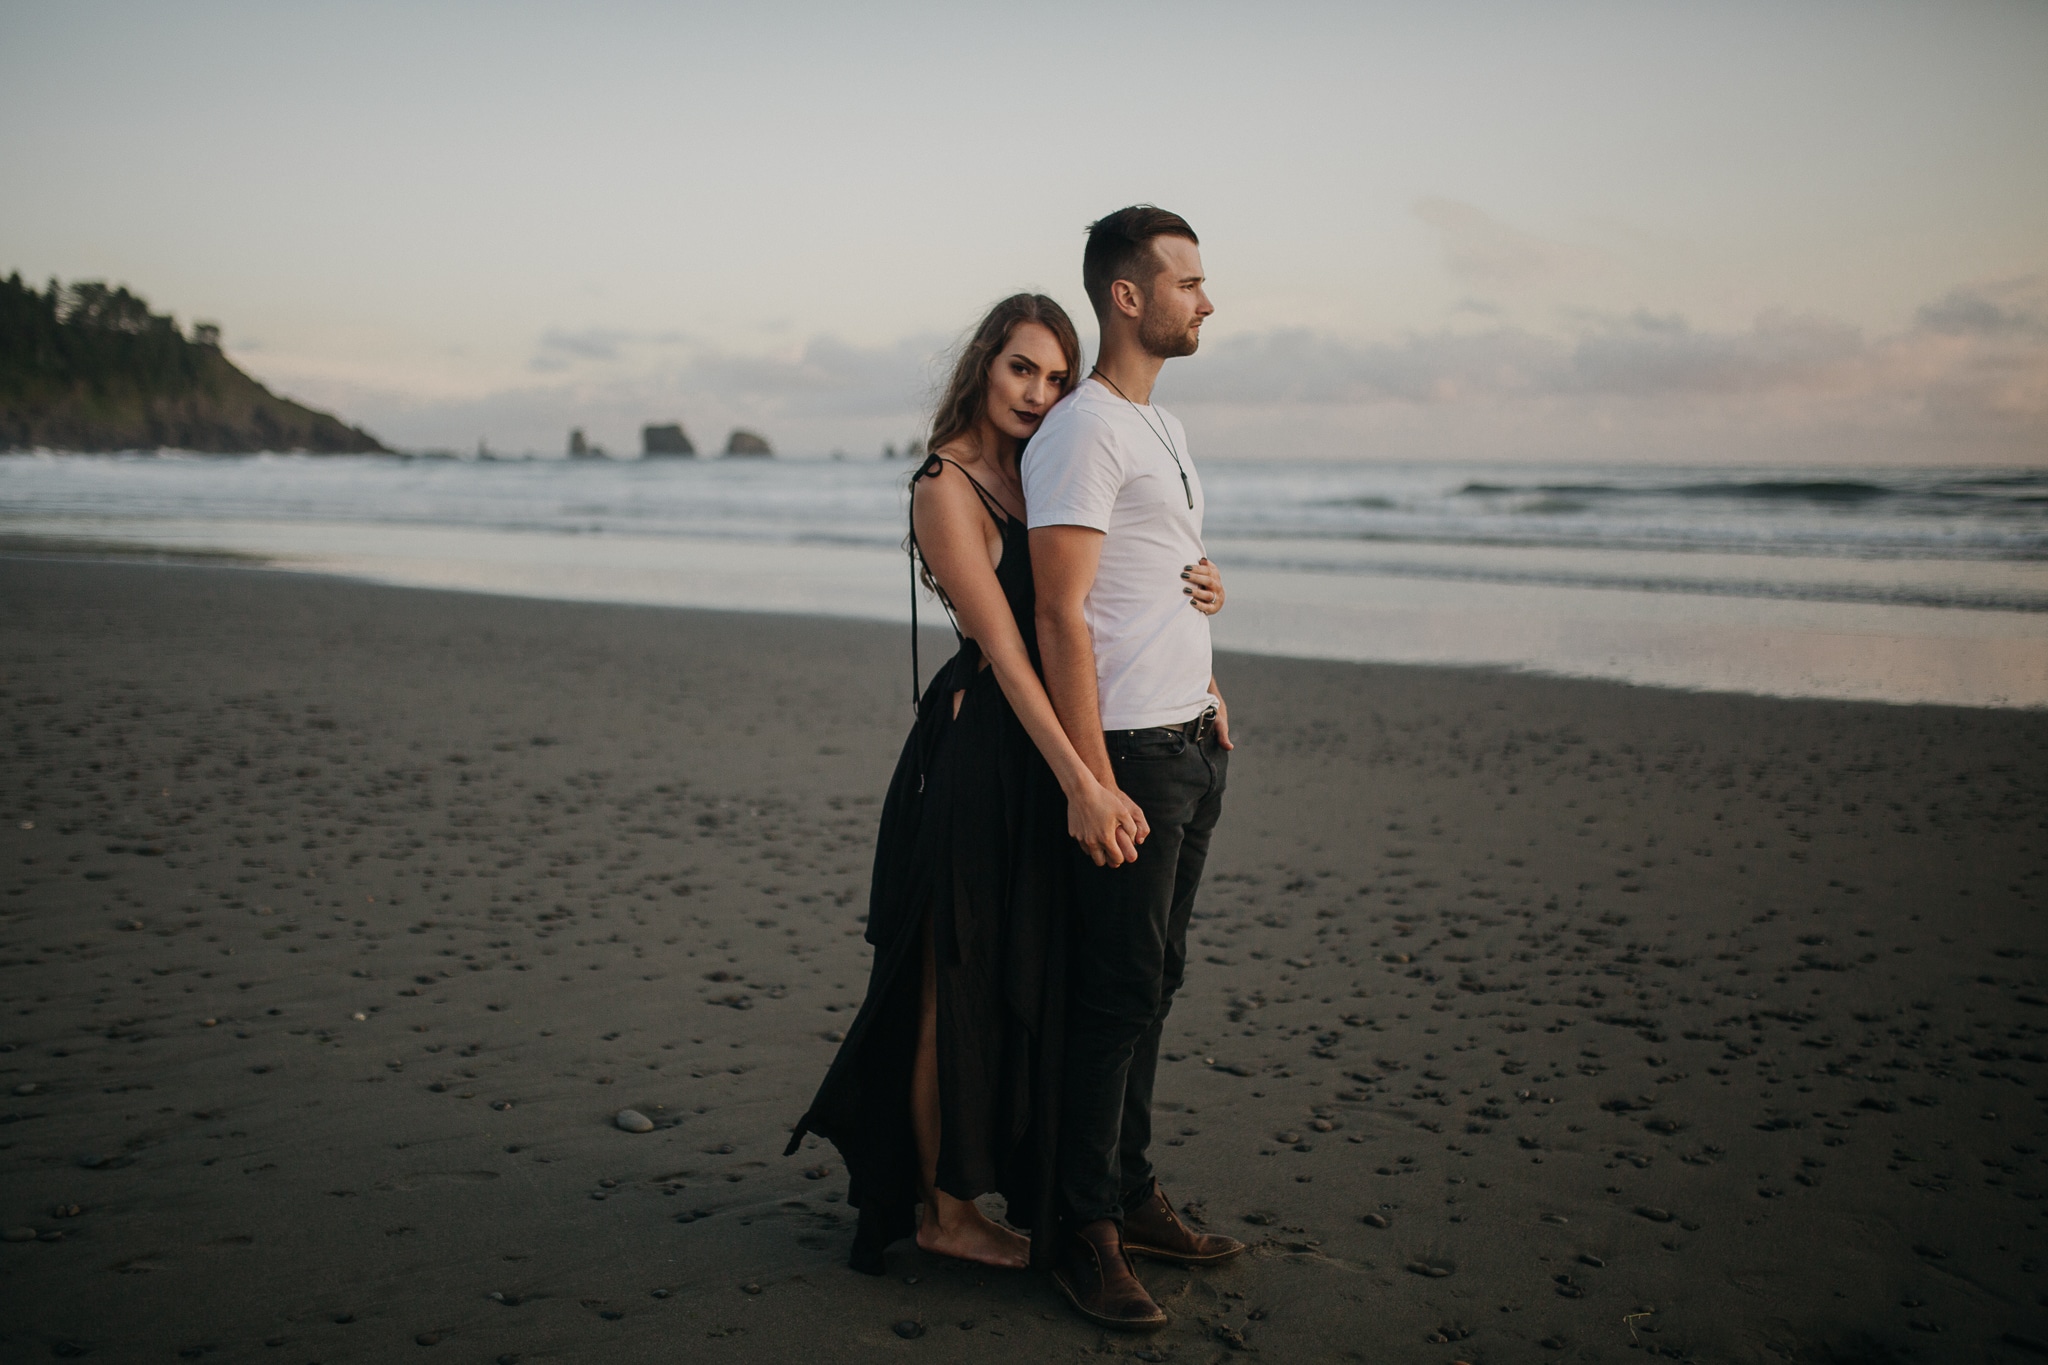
86	367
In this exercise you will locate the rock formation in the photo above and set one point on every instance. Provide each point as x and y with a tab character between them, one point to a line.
743	442
666	439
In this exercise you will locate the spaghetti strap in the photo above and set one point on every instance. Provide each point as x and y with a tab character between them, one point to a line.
988	500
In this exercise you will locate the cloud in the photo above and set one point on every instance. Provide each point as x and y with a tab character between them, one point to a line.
812	397
1646	355
1301	365
1966	377
826	377
1981	352
2003	308
1982	346
1482	250
822	377
1642	355
559	349
1959	341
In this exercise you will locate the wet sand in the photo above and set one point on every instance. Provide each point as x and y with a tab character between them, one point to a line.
1529	1019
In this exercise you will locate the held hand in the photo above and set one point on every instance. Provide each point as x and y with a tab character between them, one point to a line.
1140	826
1204	586
1098	820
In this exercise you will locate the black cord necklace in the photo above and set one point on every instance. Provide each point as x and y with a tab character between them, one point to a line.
1185	486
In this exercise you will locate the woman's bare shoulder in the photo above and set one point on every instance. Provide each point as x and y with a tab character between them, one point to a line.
942	481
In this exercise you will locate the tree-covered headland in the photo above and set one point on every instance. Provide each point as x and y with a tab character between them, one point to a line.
87	367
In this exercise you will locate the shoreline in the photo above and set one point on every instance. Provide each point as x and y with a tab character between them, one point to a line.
1702	639
1543	954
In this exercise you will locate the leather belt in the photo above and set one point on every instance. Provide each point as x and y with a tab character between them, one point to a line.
1196	730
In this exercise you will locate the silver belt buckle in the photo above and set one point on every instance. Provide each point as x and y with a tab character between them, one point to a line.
1203	724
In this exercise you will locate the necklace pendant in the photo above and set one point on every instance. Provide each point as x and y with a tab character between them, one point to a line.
1187	489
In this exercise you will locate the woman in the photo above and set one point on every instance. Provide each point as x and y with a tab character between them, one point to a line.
943	1088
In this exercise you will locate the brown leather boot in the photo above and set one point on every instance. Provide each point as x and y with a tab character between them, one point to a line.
1153	1229
1097	1277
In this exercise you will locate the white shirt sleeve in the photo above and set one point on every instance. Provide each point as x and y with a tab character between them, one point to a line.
1072	473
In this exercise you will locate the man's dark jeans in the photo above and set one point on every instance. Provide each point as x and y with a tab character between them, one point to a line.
1130	938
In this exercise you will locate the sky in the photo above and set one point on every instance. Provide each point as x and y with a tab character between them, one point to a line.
1734	233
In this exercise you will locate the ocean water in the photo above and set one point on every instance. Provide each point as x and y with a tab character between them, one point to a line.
1906	585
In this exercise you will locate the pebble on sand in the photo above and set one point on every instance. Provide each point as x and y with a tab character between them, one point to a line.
1376	1220
633	1121
18	1235
910	1329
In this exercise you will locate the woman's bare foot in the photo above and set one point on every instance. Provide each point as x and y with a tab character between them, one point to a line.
964	1232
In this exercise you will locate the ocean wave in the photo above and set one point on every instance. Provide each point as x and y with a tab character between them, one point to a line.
1981	513
1630	574
1799	490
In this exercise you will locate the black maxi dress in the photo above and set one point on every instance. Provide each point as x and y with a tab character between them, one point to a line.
973	836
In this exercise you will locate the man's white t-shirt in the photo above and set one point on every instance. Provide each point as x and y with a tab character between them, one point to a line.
1094	462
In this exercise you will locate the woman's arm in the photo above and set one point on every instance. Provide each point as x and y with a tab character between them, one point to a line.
952	533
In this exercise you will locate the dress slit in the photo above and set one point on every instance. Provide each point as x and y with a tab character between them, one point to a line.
973	837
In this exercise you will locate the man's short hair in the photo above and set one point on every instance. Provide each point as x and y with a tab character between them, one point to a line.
1120	248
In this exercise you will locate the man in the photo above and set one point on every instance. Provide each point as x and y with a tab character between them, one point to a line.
1115	512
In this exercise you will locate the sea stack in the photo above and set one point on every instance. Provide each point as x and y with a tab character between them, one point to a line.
747	443
667	438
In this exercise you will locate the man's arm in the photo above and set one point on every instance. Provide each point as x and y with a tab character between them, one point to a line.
1063	564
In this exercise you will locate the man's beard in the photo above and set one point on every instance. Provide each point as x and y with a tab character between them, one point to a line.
1166	339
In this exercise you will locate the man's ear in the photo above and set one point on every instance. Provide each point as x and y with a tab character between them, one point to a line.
1127	298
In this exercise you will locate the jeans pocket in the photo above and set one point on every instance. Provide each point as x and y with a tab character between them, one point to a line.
1141	745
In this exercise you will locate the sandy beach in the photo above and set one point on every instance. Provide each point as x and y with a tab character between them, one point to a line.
1529	1020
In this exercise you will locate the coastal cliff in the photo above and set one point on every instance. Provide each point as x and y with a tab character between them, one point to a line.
87	368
